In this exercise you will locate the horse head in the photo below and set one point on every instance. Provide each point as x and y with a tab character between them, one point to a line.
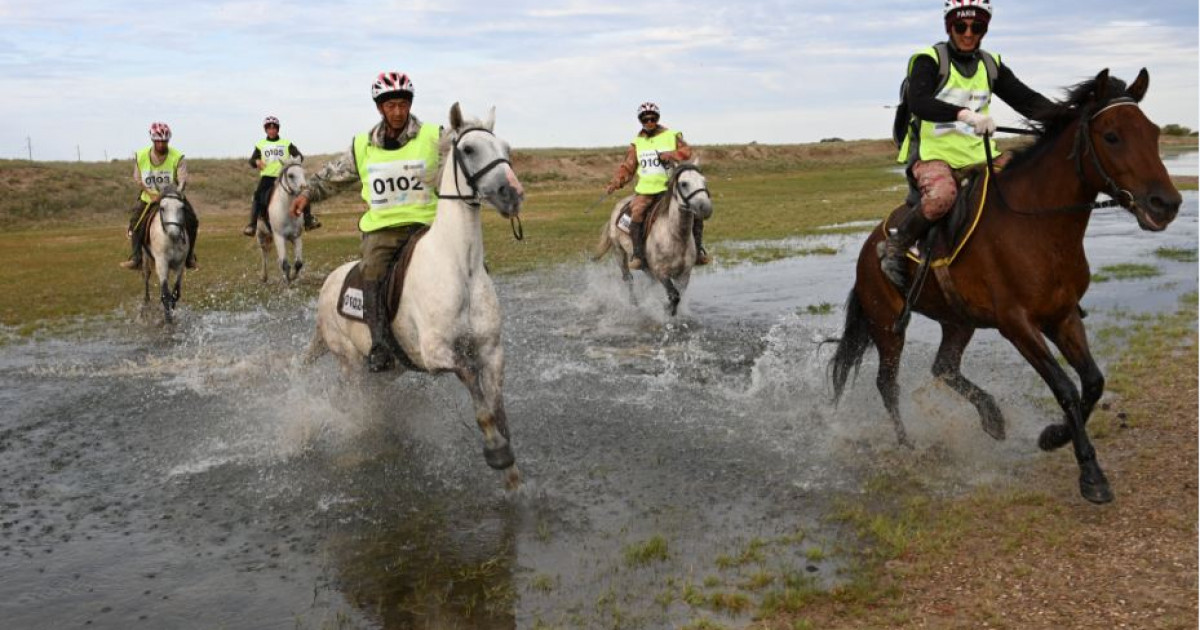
170	212
480	159
691	188
1123	147
292	178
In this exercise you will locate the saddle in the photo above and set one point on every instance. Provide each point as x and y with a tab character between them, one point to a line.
350	298
948	236
625	216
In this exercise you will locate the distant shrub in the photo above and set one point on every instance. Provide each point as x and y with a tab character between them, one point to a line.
1177	130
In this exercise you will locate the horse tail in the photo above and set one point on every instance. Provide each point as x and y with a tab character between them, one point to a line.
603	245
856	336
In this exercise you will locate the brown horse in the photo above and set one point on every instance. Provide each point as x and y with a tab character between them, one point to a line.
1025	270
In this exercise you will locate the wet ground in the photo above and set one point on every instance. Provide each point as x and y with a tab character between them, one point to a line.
199	477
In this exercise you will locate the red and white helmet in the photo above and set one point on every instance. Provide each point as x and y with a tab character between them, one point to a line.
391	85
270	120
160	131
647	108
954	10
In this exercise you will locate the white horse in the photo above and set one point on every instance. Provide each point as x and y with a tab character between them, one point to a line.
167	250
670	248
281	225
449	317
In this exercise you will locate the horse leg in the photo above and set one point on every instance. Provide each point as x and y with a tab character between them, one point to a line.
297	257
890	346
165	297
281	255
948	368
484	381
626	276
262	246
672	296
1071	339
1093	485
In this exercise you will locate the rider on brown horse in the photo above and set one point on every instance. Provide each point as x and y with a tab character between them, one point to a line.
945	110
651	148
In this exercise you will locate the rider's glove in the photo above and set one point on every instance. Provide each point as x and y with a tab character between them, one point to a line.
981	123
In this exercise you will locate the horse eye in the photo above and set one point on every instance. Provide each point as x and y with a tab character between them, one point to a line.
468	150
1111	137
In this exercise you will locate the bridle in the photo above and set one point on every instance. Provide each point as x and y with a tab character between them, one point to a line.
163	223
283	181
685	201
1083	145
474	199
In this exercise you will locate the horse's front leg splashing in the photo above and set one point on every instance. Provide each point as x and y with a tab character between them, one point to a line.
482	374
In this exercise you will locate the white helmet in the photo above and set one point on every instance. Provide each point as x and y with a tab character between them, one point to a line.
391	85
270	120
953	10
647	108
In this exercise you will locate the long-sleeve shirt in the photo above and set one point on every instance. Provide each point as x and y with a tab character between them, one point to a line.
341	172
257	155
180	172
922	101
628	167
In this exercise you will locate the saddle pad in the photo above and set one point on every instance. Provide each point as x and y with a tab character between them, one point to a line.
350	298
948	236
625	216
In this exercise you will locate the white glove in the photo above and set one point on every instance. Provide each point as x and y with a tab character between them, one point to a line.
981	123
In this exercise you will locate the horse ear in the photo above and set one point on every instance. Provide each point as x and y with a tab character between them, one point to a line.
1100	86
1138	89
456	117
491	119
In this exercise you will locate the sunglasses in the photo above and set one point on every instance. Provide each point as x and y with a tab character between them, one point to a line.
977	28
648	119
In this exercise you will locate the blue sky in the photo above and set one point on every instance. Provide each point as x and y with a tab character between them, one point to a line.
565	74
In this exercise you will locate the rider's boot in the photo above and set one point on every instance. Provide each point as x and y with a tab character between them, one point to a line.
702	257
637	259
252	227
192	225
135	238
310	222
911	225
380	357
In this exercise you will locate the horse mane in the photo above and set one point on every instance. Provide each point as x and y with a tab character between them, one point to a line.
1050	122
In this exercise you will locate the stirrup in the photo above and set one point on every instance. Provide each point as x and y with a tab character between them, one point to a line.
311	223
635	262
250	230
130	264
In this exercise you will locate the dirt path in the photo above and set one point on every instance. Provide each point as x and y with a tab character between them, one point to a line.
1035	555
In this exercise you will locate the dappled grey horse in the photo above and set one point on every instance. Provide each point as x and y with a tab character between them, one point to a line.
167	249
281	226
670	248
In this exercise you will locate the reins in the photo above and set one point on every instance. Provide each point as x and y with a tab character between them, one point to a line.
163	223
1083	145
518	230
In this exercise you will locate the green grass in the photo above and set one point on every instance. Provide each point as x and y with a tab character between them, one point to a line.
646	552
1177	254
1126	271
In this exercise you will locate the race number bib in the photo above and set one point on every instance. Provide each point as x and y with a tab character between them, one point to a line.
156	180
399	183
352	303
273	154
648	163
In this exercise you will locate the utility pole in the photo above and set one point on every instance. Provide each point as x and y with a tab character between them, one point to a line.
29	145
78	158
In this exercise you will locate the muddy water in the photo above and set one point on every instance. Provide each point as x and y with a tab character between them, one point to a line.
199	477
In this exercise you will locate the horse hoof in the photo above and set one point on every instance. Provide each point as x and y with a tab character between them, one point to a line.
1054	436
1097	492
499	458
993	425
